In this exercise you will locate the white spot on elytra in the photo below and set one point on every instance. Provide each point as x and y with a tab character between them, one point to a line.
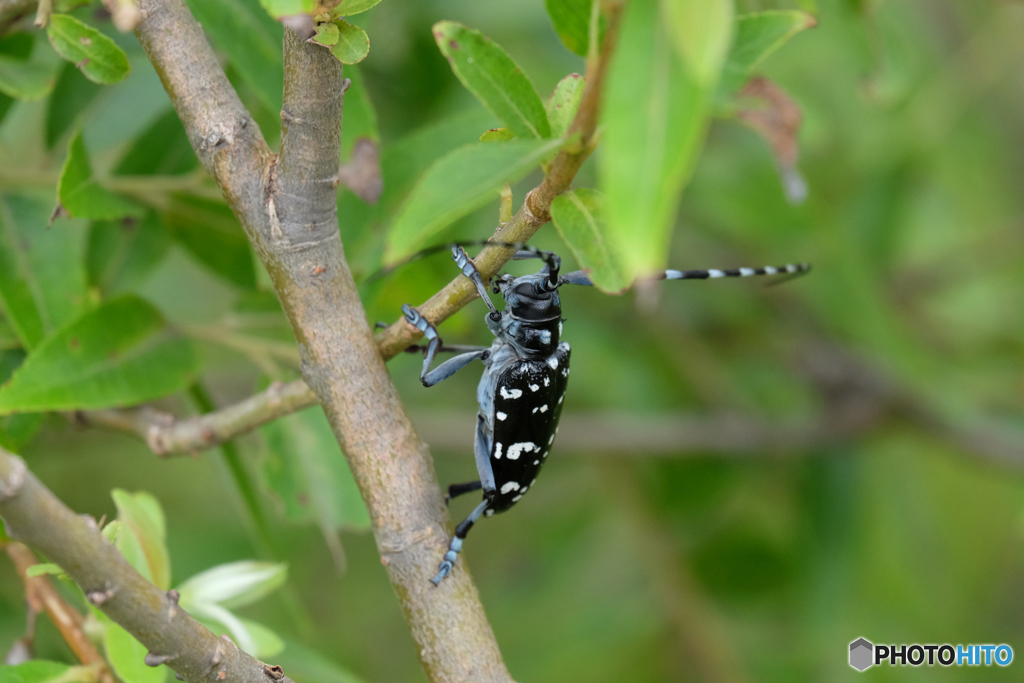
497	451
715	273
518	498
545	336
559	329
534	387
551	440
500	415
514	393
547	382
532	483
543	408
552	362
536	462
516	449
510	486
525	488
560	399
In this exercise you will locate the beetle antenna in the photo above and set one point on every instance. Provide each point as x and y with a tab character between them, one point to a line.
790	271
523	251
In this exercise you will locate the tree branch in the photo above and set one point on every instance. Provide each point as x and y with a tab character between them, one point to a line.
34	516
287	206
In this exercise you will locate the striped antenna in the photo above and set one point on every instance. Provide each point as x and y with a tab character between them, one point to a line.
523	251
579	277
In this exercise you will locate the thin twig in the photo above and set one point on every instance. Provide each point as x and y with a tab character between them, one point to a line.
65	617
34	516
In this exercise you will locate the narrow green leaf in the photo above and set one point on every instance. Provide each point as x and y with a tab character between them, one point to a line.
349	7
758	35
571	19
564	103
42	278
490	74
209	231
126	655
235	584
288	8
142	539
98	57
352	44
307	470
251	40
579	218
42	671
71	95
360	117
120	353
497	135
83	197
16	430
458	184
46	569
26	80
701	32
161	149
655	115
122	254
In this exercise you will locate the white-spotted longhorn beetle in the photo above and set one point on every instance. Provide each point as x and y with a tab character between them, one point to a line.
526	371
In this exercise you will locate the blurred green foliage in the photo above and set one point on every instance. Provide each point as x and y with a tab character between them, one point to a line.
687	566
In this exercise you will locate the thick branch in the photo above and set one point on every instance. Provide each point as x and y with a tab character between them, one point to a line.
34	516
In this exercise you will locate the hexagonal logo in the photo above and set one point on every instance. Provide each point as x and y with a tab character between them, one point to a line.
861	652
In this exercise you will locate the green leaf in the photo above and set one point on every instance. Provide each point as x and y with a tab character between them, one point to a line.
83	197
126	655
490	74
120	353
209	231
26	80
655	115
360	117
564	103
98	57
142	539
758	35
42	671
352	44
327	34
497	135
8	340
349	7
42	278
307	470
251	40
72	94
572	23
458	184
161	149
122	254
701	31
579	218
16	430
288	8
235	584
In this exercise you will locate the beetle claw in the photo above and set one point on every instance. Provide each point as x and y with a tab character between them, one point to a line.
443	570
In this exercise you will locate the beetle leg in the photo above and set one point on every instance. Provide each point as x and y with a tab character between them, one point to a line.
456	490
463	261
455	546
449	367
